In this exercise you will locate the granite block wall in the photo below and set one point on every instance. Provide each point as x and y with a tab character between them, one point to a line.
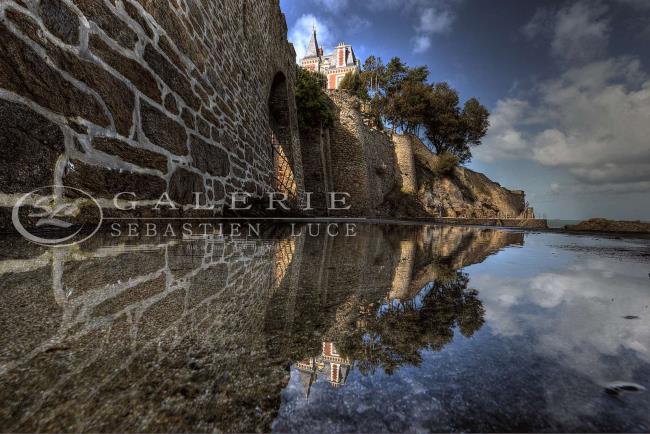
143	96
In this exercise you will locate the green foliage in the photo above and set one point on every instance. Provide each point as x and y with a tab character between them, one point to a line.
446	163
476	121
451	129
403	98
353	83
375	112
312	104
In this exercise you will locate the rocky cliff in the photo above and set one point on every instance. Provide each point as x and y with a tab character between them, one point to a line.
398	176
463	192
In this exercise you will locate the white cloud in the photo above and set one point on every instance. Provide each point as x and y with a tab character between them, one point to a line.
581	32
597	120
541	23
504	140
381	5
594	120
431	17
434	20
357	24
556	188
421	44
300	33
605	188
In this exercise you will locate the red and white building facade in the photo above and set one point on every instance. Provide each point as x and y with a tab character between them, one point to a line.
334	66
330	366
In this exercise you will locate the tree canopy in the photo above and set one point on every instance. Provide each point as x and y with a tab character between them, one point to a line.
353	83
313	105
395	335
402	98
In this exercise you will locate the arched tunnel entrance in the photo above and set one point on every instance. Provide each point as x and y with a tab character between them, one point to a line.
284	178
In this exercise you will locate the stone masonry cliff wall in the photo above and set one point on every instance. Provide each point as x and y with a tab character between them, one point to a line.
361	160
397	175
315	147
143	96
406	162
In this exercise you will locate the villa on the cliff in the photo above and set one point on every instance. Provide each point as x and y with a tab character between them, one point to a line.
334	66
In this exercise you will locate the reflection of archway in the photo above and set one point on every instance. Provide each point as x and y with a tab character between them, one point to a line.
280	121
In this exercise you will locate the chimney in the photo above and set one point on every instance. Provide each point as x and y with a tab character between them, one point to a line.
341	55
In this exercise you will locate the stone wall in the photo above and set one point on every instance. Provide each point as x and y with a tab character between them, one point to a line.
143	96
315	147
350	157
396	175
406	162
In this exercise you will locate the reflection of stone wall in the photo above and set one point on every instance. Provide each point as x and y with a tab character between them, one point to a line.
442	250
131	329
144	96
403	272
194	334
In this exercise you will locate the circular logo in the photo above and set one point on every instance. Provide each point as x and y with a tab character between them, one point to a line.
49	216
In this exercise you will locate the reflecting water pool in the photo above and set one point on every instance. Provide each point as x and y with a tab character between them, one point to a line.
399	328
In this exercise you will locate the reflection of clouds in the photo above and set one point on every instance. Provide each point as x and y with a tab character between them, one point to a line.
576	315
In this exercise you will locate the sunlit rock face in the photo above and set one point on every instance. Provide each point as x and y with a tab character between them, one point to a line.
463	192
153	334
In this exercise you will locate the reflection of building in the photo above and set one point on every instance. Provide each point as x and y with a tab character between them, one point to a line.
330	365
334	66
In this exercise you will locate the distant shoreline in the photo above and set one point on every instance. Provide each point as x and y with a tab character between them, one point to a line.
596	226
610	226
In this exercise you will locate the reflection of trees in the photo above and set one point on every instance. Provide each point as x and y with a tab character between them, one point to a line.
394	334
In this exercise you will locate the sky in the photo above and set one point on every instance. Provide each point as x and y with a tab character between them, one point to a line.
567	84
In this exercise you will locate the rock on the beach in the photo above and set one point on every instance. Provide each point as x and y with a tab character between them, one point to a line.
618	387
614	226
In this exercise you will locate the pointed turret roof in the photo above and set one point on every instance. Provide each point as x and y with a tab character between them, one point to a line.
312	49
